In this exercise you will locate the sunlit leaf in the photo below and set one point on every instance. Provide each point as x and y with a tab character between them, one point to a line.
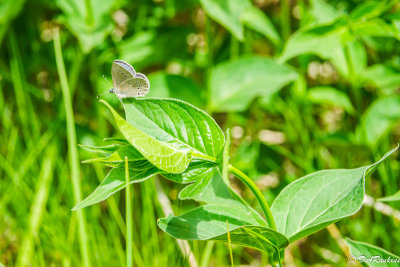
176	123
380	117
382	76
167	156
115	181
90	30
235	84
371	255
209	222
311	203
227	13
323	12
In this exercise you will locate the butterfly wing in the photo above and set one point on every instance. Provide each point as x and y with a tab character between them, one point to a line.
121	71
134	87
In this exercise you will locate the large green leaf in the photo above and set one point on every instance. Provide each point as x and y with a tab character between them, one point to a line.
211	222
167	156
379	119
115	181
227	13
177	124
235	84
319	199
371	255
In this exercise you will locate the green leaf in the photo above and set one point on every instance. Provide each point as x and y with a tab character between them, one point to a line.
209	222
167	156
324	41
256	20
331	96
103	151
195	170
380	117
118	156
90	21
323	12
374	28
395	197
227	13
115	181
382	76
212	189
371	255
319	199
235	84
148	48
175	86
177	124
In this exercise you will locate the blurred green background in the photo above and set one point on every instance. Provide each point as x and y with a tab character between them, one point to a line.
303	86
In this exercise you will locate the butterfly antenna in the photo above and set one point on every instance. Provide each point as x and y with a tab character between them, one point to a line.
110	90
104	77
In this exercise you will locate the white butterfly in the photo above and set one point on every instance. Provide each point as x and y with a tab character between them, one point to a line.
126	82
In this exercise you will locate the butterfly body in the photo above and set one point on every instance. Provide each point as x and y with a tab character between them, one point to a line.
126	82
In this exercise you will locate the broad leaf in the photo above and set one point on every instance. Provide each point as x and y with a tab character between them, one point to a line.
168	156
256	20
382	76
196	169
395	197
319	199
115	181
177	124
380	117
371	255
103	151
323	12
90	30
331	96
212	189
227	13
211	222
118	156
235	84
324	41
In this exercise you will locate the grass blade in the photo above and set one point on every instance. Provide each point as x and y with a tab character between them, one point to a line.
72	148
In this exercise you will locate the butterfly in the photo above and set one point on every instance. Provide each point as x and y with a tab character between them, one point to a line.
127	82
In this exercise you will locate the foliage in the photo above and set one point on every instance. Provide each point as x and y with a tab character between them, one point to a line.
264	91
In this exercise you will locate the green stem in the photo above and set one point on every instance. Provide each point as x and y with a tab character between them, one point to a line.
72	148
202	156
129	228
89	12
250	184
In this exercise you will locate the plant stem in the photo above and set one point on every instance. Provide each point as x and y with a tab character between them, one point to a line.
202	156
72	147
129	228
89	12
250	184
